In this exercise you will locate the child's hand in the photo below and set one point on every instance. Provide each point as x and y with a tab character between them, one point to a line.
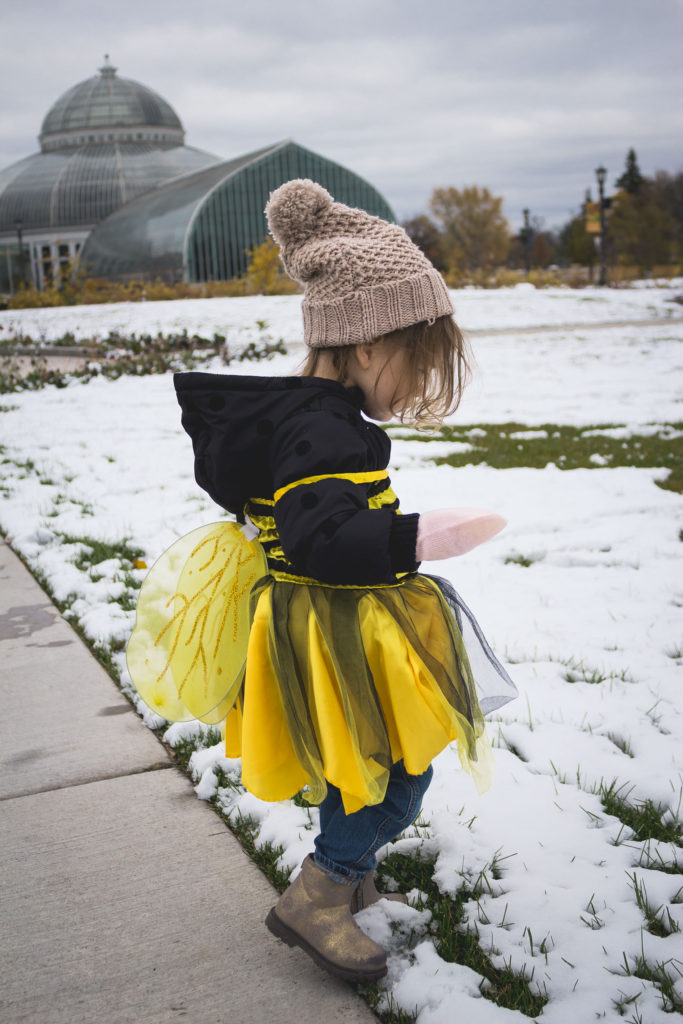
453	531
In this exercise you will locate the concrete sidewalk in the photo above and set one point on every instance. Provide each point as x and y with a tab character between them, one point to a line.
124	898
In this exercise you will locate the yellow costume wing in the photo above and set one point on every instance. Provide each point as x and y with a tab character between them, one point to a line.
187	651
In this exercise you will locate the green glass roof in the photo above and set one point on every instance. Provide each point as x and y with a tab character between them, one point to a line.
200	227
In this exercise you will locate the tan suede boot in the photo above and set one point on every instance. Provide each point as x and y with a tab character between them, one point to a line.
314	913
365	894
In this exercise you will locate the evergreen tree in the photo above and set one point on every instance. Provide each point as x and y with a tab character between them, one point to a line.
638	231
631	180
576	244
666	191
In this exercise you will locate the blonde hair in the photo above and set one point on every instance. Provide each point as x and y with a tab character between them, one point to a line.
435	374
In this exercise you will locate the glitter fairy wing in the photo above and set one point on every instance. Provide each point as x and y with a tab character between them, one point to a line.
187	651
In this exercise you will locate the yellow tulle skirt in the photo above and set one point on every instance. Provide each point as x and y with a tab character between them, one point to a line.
315	684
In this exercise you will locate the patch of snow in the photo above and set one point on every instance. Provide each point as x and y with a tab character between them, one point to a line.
587	633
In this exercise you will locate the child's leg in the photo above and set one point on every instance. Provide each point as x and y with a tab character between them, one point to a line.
315	911
315	914
348	843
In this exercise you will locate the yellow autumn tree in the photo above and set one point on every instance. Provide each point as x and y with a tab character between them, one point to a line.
474	234
265	275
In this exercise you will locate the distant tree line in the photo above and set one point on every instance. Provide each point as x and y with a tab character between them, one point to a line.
467	237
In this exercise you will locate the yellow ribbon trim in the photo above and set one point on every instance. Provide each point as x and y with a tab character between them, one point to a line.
355	478
288	577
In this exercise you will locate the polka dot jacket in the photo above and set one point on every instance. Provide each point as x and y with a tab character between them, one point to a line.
296	455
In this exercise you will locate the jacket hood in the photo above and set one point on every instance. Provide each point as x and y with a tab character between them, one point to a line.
232	418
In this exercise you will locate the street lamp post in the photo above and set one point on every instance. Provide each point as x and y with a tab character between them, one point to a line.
527	241
19	224
601	174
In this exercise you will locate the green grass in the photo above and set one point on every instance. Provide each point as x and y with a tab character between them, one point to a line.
28	465
502	446
656	862
593	921
96	551
645	817
509	745
456	943
523	560
659	919
376	998
184	748
664	974
577	671
265	856
621	743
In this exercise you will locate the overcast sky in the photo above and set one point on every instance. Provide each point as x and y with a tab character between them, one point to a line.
526	97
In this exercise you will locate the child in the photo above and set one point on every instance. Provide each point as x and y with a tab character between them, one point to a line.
357	672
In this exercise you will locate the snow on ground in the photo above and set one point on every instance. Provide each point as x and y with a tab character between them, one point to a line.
625	375
521	306
600	605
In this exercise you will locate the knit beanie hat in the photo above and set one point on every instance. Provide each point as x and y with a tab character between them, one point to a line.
363	277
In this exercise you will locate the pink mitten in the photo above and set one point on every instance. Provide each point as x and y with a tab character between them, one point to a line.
453	531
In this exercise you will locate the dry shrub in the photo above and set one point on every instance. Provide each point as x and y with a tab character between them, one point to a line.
577	276
622	275
504	277
668	272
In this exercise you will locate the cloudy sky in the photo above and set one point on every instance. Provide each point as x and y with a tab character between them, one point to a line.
526	97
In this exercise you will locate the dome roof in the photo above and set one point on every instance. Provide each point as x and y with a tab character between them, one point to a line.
79	186
104	142
106	108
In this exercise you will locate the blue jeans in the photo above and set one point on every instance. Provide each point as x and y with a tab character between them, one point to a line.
347	843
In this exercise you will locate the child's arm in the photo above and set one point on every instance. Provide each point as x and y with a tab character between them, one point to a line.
323	510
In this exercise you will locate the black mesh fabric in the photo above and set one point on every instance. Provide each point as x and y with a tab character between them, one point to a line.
396	671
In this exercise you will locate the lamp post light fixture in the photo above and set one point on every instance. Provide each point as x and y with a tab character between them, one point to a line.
601	174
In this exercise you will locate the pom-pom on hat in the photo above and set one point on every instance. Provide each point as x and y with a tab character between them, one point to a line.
363	277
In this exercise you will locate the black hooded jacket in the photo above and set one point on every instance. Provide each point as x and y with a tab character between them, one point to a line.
253	437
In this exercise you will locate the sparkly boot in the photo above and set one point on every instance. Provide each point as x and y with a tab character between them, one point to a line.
314	913
365	894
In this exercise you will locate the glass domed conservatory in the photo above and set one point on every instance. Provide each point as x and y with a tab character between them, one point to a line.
104	142
115	185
